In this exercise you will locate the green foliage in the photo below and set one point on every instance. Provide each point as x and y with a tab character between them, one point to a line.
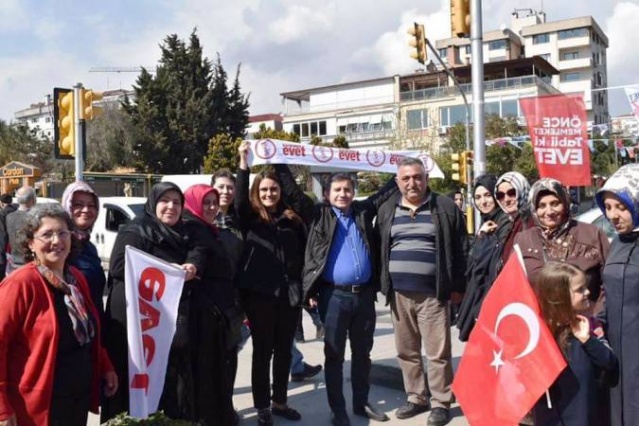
178	111
155	419
19	143
109	140
457	137
222	154
268	133
340	142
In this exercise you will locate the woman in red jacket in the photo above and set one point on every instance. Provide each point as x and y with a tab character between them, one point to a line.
51	360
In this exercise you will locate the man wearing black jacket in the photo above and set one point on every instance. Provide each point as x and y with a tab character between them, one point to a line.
340	267
6	207
423	261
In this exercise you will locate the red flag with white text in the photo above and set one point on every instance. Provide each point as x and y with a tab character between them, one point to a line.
559	134
511	357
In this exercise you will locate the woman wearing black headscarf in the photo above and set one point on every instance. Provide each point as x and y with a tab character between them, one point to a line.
484	256
161	233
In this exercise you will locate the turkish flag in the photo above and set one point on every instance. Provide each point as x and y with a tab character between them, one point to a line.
511	357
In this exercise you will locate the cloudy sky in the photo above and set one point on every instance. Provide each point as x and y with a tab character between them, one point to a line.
282	45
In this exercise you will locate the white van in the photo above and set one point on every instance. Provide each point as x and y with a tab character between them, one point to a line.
114	213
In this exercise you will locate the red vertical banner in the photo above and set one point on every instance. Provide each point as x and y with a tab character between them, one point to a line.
558	130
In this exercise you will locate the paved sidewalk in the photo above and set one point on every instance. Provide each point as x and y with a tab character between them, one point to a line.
309	397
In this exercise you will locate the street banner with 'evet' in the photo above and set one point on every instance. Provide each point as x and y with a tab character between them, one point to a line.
153	288
558	131
275	151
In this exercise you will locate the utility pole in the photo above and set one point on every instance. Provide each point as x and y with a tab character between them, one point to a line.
477	75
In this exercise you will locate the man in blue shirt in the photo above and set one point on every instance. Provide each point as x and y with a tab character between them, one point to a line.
340	267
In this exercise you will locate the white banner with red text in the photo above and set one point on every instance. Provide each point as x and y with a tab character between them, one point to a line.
558	130
153	288
274	151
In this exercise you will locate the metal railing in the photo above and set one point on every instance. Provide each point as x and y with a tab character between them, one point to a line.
489	86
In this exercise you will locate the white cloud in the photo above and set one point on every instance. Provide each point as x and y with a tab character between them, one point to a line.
623	39
12	15
283	45
302	21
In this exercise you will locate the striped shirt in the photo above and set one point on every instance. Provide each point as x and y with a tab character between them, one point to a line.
412	263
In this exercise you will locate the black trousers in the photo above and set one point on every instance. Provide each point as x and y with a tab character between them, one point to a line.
273	323
70	410
347	315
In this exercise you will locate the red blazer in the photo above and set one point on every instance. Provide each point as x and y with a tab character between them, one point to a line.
29	344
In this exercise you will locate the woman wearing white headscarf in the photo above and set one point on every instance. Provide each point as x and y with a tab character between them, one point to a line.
619	200
511	193
82	203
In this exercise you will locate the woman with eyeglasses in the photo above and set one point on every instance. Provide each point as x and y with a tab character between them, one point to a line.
558	237
81	202
619	200
51	359
160	232
486	251
511	193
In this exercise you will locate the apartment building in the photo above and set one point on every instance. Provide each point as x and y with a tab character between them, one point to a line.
412	111
39	116
576	47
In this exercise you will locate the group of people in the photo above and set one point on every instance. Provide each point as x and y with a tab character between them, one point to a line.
257	254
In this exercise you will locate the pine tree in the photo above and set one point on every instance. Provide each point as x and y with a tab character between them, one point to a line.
177	112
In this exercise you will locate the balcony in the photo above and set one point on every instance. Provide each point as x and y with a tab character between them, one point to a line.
353	137
575	64
489	86
573	42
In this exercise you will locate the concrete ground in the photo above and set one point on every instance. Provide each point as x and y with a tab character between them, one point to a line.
309	397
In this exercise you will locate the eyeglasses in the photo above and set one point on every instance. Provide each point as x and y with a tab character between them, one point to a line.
47	237
512	193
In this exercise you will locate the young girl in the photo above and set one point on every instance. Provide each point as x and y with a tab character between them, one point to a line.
576	397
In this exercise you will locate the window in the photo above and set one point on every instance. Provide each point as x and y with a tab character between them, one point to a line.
449	116
47	119
545	57
497	45
509	109
571	76
115	218
567	56
575	32
541	38
417	119
317	128
491	108
443	53
468	49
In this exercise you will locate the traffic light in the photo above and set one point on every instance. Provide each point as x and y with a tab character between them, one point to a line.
459	167
467	163
63	124
88	111
418	42
460	18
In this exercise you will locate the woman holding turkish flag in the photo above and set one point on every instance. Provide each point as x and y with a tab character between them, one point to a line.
619	200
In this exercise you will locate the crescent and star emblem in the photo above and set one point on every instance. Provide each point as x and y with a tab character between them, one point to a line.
524	312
